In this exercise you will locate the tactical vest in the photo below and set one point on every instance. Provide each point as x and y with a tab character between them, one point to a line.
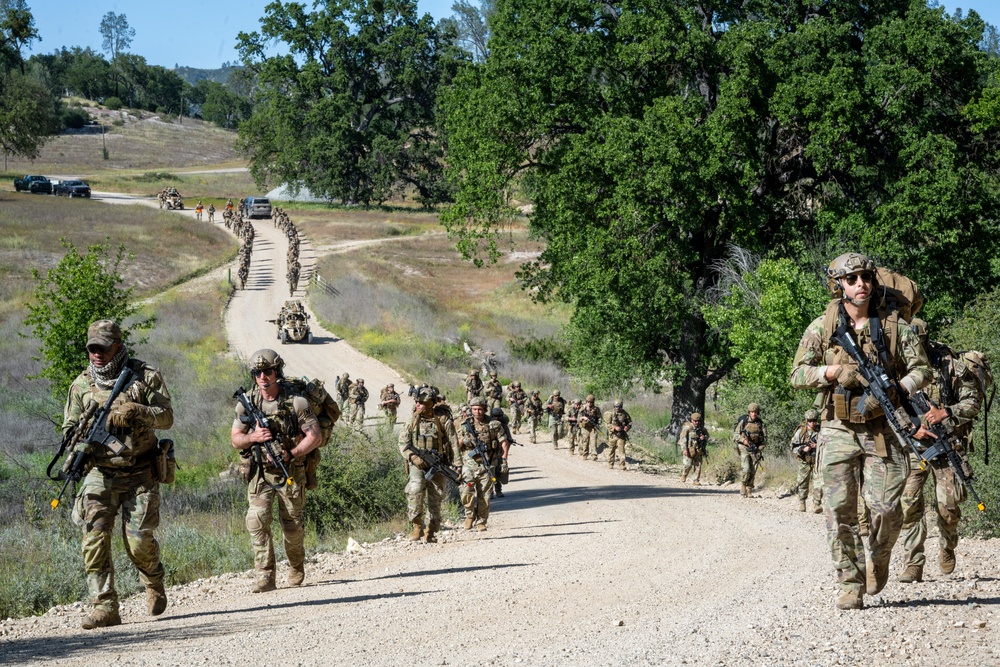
283	420
140	443
427	433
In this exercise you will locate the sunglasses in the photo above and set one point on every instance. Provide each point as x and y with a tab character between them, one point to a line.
853	278
257	373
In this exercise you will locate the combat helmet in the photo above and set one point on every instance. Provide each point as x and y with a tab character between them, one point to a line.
619	403
265	360
845	265
812	415
590	398
753	407
696	416
426	395
477	400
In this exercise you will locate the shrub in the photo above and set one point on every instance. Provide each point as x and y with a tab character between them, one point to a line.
113	103
74	118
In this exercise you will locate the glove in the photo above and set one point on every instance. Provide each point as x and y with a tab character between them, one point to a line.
418	462
503	467
126	415
848	377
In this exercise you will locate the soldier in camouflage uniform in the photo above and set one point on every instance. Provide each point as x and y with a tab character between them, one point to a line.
804	450
750	437
955	393
358	396
573	419
477	473
473	385
693	441
389	402
855	441
517	398
534	409
555	407
126	481
619	424
211	212
344	383
427	432
494	391
294	433
589	420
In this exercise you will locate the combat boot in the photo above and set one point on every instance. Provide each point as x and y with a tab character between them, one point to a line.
468	522
264	584
683	478
156	599
851	600
430	536
418	529
911	574
817	508
696	482
877	576
101	618
296	575
802	504
947	561
481	527
743	490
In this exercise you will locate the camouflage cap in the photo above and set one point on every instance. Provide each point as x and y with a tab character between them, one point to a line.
812	415
696	416
753	407
478	400
103	333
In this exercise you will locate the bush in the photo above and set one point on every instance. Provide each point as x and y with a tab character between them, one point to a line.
113	103
548	349
74	118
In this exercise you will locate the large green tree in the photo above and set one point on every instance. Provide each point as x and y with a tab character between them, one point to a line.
28	112
348	110
650	136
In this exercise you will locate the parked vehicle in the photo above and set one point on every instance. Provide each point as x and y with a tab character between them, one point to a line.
71	188
33	184
257	207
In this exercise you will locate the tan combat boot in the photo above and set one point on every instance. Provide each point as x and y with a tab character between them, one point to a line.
683	478
802	504
817	508
947	560
264	584
418	529
911	574
481	527
877	576
156	599
101	618
296	575
851	600
469	520
430	537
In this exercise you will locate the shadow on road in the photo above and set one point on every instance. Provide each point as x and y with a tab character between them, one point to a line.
515	499
447	570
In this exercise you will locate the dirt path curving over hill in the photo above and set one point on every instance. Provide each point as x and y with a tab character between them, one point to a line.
581	565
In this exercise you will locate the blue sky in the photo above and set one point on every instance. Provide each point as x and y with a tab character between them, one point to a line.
202	33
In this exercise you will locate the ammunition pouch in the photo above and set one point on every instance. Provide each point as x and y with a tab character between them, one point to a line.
245	468
312	466
847	406
165	465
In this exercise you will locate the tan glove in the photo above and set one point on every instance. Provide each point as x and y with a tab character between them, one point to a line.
418	462
848	377
128	415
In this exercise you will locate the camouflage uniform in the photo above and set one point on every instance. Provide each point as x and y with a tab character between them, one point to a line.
693	441
358	396
476	473
517	398
494	392
573	419
619	424
754	432
473	385
804	450
388	403
534	409
864	453
956	388
344	384
429	433
589	421
290	415
125	482
556	409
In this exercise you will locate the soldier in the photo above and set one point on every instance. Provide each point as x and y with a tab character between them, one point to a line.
693	441
573	419
294	432
589	419
750	436
293	277
619	424
956	394
428	433
500	469
477	434
229	204
358	396
389	402
473	385
343	387
855	440
494	391
197	210
517	397
211	212
555	408
126	481
804	449
534	409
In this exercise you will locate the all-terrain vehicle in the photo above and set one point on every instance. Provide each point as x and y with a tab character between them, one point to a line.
293	323
173	200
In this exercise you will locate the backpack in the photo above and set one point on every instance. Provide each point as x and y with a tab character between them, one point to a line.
320	402
980	366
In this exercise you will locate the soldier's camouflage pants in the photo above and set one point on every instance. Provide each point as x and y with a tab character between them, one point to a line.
808	475
748	471
616	445
390	415
357	414
558	430
948	491
846	455
476	488
518	416
97	504
692	463
533	423
291	504
574	436
417	487
588	442
494	403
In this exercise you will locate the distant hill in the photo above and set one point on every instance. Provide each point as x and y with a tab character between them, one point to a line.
193	74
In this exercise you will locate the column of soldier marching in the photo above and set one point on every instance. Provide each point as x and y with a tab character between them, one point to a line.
865	469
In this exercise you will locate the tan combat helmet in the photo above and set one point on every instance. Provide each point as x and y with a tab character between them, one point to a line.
812	415
753	407
477	400
618	404
695	416
845	265
590	398
555	392
265	360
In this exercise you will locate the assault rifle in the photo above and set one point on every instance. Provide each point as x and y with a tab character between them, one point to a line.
480	450
255	419
92	429
434	464
945	446
756	455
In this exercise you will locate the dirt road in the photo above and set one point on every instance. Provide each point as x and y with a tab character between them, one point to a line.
581	565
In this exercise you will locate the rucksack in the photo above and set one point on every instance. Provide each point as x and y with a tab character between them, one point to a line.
320	402
980	366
